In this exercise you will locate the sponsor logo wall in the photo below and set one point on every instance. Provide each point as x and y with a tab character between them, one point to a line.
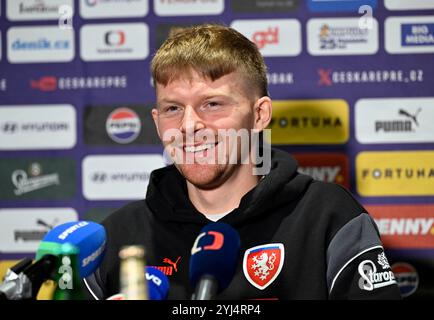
341	36
353	98
273	37
37	127
24	10
404	226
45	44
23	229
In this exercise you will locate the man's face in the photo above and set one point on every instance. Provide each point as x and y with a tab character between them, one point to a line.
199	109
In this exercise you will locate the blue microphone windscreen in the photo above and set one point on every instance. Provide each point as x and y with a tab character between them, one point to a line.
215	252
89	237
158	284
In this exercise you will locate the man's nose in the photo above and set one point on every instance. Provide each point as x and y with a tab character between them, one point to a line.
191	122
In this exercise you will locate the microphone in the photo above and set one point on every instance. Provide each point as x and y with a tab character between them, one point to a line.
88	237
213	260
11	277
13	271
158	285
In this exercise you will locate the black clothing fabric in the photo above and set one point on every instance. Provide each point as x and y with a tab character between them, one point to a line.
332	248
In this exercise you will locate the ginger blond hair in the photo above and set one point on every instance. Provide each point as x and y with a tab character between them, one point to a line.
212	50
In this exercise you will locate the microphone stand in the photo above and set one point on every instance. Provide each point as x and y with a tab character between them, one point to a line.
24	280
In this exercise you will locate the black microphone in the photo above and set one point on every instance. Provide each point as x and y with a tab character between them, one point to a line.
213	260
25	281
11	277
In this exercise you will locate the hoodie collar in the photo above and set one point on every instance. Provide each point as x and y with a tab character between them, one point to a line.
167	194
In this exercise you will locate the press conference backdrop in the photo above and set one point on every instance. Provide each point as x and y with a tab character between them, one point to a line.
352	83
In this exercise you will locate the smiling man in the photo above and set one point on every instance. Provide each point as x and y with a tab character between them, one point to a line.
300	238
203	110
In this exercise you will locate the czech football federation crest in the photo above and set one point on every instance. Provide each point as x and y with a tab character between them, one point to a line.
262	264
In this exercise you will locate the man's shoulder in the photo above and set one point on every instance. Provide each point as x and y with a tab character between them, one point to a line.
328	187
331	203
128	213
332	193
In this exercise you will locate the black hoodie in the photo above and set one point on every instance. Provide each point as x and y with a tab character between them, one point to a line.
330	247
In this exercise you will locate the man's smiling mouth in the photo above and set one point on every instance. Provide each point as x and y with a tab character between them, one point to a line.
199	148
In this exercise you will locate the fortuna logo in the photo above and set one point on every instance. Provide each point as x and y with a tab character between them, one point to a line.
168	270
307	122
262	264
398	173
370	279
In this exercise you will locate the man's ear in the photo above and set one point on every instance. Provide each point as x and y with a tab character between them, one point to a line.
263	112
154	113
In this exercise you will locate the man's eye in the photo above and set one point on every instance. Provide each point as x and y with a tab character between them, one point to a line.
212	105
171	109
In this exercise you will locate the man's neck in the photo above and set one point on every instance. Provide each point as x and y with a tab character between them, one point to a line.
225	197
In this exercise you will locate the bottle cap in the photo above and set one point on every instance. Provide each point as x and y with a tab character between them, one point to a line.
135	251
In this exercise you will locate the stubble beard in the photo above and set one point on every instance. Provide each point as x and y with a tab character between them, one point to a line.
206	176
